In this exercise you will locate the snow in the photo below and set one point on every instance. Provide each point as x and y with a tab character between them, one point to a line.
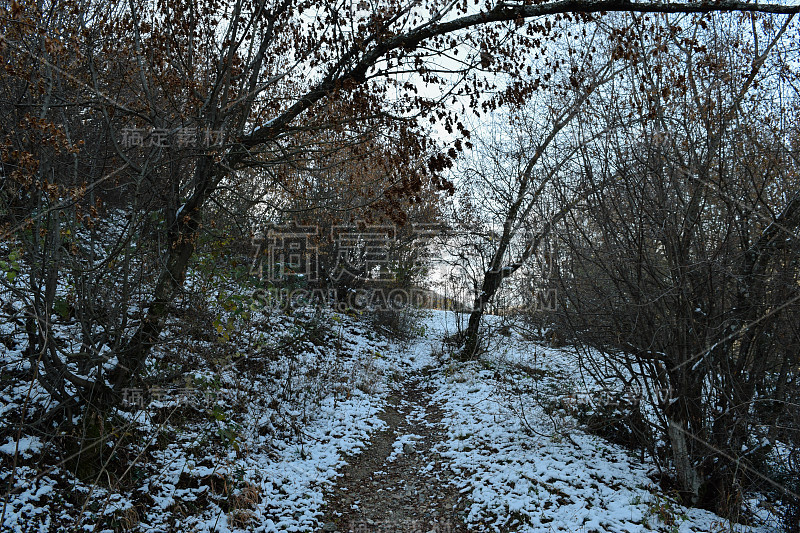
525	470
265	125
27	446
399	445
522	461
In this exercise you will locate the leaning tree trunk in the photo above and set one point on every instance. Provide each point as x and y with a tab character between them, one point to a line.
491	283
493	278
182	245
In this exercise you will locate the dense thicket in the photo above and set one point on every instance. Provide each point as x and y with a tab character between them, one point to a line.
135	135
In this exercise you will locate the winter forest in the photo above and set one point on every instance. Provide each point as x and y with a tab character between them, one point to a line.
424	266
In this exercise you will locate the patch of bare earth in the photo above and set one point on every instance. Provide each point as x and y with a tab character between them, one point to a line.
413	492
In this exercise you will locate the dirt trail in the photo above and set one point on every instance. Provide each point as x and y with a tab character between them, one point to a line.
412	493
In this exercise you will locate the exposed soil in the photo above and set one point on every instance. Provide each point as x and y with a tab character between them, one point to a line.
405	495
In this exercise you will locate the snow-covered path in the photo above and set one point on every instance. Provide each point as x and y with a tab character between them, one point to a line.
400	482
374	435
492	446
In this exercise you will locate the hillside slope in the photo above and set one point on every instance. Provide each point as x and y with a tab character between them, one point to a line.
324	424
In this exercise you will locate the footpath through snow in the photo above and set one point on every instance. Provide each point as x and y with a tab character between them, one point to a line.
364	435
492	446
400	482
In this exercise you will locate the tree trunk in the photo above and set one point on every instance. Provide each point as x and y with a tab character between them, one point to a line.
688	477
491	283
183	241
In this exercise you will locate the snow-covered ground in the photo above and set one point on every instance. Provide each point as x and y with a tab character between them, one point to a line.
258	453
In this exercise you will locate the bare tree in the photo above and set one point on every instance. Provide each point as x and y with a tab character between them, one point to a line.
683	264
165	109
517	184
